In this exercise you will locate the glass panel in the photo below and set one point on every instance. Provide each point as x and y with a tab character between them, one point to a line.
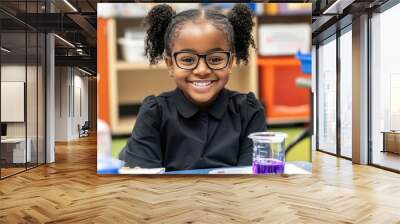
346	94
314	94
41	99
327	97
77	110
13	87
23	87
31	100
385	86
32	85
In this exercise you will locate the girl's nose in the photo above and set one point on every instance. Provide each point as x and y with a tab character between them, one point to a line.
202	68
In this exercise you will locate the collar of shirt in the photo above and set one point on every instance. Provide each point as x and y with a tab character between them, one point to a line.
187	109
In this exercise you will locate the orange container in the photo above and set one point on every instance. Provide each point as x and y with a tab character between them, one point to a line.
284	101
103	110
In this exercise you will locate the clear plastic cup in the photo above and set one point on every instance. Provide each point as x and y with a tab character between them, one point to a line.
105	163
268	152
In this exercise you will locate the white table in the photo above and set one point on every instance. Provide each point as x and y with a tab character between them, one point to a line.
19	155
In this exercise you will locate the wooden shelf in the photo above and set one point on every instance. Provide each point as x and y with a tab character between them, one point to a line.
125	126
128	66
271	19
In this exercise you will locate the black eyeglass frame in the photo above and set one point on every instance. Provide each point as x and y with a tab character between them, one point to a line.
202	56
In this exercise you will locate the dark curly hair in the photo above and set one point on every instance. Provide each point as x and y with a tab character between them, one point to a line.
164	24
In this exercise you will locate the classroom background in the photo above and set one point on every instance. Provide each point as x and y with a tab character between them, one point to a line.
274	73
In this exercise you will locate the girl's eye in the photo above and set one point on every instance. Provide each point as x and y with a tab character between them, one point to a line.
215	60
187	60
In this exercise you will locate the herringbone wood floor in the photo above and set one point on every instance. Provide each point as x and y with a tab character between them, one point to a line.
70	191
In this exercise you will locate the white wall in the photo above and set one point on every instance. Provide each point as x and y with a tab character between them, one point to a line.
81	83
14	73
12	101
33	126
11	73
62	81
71	87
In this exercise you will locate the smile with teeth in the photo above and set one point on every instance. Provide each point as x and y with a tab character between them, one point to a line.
201	84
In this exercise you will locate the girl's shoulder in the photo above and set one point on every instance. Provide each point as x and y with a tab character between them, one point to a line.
153	107
150	107
153	103
247	100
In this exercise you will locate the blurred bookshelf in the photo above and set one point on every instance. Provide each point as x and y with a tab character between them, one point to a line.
131	80
126	66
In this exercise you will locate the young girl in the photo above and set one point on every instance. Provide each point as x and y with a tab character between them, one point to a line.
200	124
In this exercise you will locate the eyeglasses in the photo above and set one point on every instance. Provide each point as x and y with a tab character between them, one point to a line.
215	60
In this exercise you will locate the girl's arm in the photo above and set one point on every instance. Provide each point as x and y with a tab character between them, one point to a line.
143	148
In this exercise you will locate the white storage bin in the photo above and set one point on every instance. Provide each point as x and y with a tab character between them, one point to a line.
132	50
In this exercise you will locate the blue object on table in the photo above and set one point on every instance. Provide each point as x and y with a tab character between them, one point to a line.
305	60
109	165
198	171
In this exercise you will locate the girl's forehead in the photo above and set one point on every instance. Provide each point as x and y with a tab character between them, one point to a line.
199	36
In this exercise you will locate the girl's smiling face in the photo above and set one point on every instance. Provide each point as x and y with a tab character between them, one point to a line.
200	85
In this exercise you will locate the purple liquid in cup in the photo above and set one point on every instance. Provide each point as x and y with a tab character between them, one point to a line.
268	166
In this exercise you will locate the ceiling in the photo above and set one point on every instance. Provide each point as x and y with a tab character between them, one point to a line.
76	25
76	22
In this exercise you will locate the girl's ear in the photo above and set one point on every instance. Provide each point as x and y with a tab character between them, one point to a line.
229	66
169	63
231	60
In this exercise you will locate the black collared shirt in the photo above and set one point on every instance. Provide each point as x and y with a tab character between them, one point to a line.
172	132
